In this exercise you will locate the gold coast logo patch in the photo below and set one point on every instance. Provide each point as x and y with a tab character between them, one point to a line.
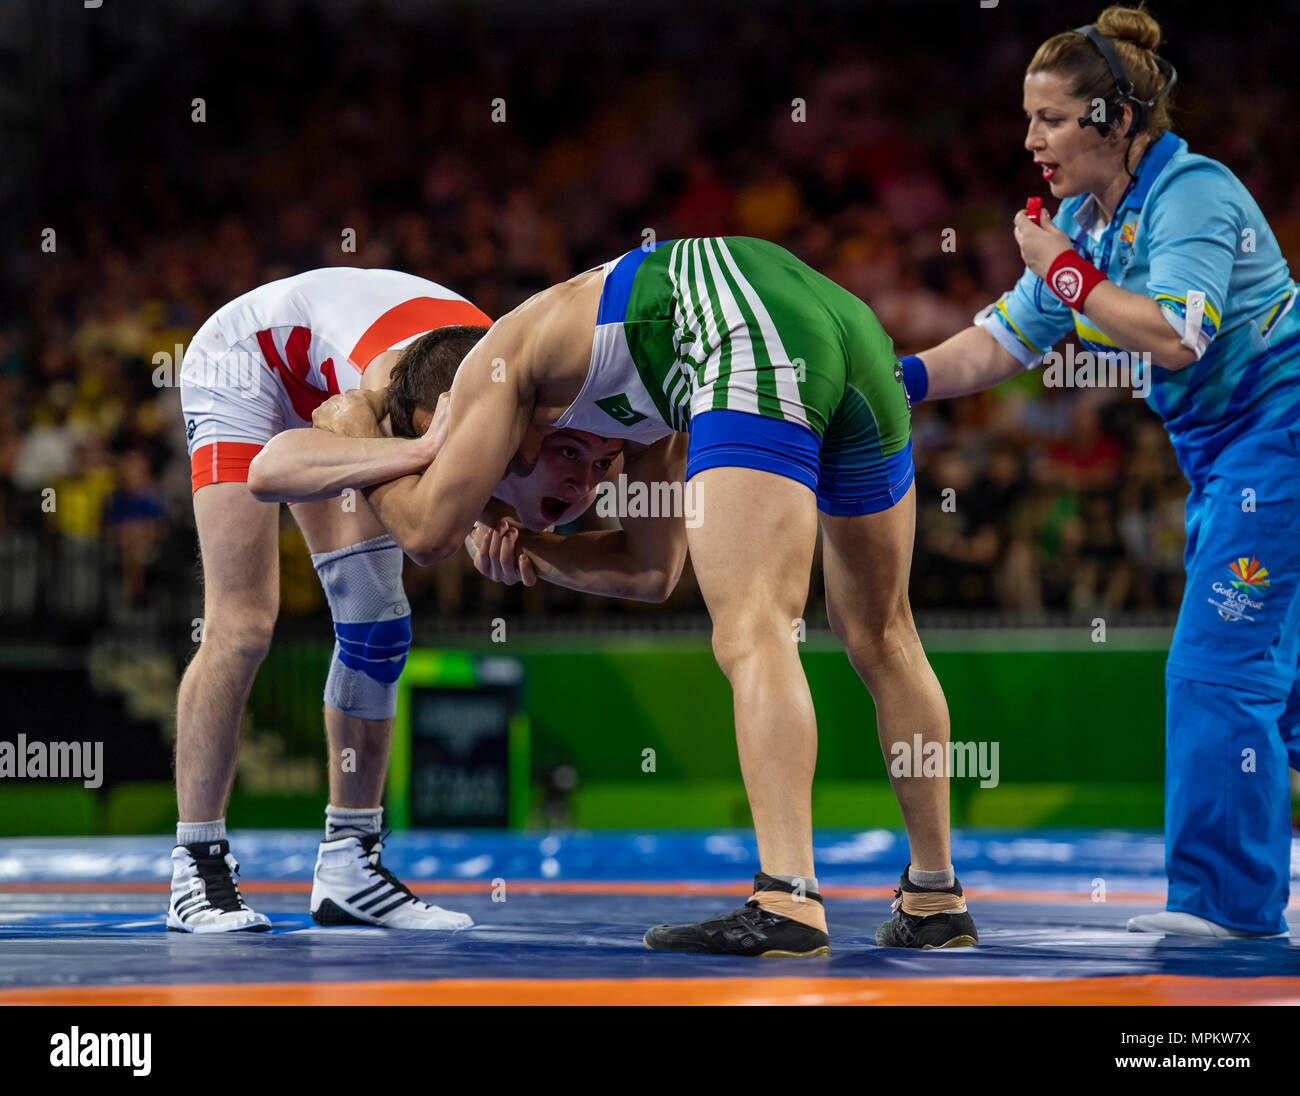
1250	576
1233	600
1127	237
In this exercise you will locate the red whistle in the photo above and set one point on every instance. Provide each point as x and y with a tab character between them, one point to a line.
1033	209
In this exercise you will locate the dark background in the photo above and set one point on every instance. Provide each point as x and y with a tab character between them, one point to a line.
674	117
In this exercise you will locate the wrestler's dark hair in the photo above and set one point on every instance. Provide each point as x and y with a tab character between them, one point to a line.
425	371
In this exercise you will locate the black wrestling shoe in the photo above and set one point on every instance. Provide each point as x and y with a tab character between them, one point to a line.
937	930
749	931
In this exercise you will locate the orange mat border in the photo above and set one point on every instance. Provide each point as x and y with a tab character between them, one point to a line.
1151	989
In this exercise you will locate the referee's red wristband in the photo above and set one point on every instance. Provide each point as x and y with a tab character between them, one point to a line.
1071	277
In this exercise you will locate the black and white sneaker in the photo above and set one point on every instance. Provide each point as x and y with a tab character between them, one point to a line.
205	896
352	887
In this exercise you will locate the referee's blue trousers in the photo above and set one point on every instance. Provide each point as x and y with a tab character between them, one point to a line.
1233	689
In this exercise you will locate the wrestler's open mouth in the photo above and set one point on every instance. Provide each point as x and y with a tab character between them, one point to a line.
553	508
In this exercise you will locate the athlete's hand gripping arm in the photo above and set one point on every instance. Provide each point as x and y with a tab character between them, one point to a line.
642	561
345	449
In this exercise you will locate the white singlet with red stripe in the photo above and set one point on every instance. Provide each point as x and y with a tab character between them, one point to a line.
265	361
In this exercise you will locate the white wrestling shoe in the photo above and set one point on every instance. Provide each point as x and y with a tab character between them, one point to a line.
1188	924
205	896
352	887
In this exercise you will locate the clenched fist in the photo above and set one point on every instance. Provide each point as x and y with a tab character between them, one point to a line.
354	414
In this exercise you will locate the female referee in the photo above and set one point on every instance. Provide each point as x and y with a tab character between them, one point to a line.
1160	251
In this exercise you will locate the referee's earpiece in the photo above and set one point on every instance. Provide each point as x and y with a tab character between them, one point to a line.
1112	114
1113	117
1113	108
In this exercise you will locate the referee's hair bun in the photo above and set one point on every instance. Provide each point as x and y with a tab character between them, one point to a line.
1129	25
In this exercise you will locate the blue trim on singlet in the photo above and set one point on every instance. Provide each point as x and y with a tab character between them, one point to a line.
847	476
738	439
856	479
617	290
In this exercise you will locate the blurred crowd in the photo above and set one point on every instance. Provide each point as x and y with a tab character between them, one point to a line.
498	162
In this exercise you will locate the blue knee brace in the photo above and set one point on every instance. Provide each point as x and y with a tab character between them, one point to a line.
372	626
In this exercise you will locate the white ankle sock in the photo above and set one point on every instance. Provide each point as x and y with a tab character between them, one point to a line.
352	821
192	833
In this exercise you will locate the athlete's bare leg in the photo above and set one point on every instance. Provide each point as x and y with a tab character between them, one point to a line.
327	526
752	554
241	597
866	562
348	864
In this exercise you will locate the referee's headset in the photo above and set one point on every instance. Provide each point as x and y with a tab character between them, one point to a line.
1123	88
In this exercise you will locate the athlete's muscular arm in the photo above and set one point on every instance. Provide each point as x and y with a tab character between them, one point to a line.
347	448
642	561
971	361
492	403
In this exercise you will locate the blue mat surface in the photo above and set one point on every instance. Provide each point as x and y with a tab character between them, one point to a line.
1039	919
1060	855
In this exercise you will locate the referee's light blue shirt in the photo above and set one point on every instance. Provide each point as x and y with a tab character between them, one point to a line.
1188	235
